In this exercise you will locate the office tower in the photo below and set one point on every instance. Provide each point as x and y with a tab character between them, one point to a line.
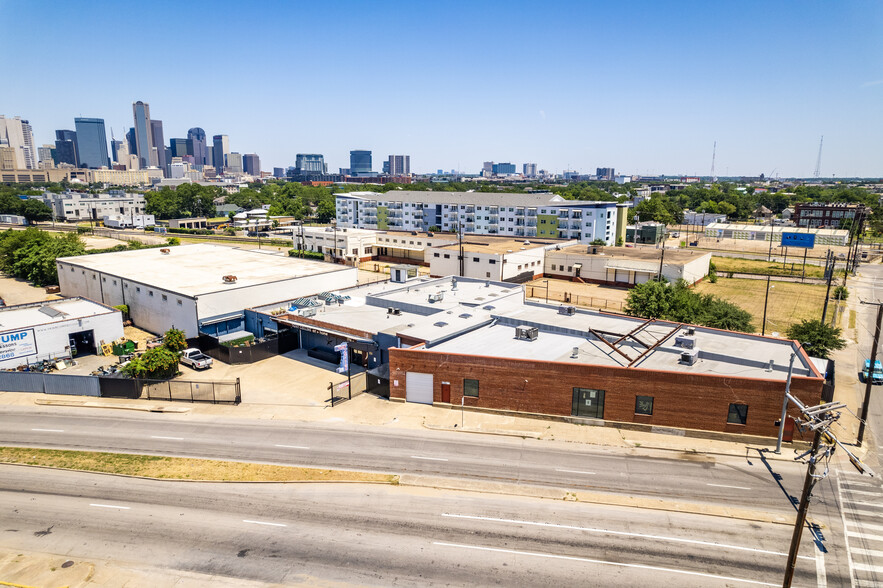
180	147
91	143
385	169
45	154
143	135
159	144
399	165
220	150
605	173
278	172
66	148
116	149
251	164
360	163
530	170
209	156
18	135
502	169
310	164
234	162
7	158
197	136
487	167
130	140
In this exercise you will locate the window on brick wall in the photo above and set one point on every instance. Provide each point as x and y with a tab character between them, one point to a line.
644	405
588	402
738	414
470	388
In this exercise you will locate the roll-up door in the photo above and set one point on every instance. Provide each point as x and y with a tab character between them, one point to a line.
418	388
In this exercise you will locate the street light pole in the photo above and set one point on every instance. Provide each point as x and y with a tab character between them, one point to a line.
869	379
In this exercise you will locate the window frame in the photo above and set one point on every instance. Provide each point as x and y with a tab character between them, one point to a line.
638	399
741	416
467	388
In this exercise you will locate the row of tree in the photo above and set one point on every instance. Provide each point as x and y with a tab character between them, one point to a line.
11	202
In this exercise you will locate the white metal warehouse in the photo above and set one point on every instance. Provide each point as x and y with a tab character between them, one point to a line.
196	288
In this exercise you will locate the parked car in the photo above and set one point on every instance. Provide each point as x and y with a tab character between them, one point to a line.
196	359
877	377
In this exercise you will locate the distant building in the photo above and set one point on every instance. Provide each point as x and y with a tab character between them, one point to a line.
159	144
77	206
198	141
399	165
133	144
385	169
605	173
17	134
487	167
8	160
278	172
529	170
45	153
360	163
91	142
310	164
502	169
251	164
180	147
66	148
220	149
143	135
234	162
830	215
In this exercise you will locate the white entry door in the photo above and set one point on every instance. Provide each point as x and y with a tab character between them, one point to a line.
418	388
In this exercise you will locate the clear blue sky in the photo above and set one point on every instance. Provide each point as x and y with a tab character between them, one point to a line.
645	87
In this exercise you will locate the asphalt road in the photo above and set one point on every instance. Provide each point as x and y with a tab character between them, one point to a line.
383	535
750	481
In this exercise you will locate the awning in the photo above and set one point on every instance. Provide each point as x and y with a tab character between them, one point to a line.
633	266
223	319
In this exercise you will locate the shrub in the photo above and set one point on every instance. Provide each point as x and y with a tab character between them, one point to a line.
124	308
841	293
305	254
157	363
173	241
174	340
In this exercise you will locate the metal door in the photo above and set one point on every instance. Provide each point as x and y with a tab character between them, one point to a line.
446	392
418	388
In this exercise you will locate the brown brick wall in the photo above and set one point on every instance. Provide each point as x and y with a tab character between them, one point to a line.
690	401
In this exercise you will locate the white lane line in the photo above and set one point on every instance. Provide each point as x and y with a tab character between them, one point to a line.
111	506
429	458
293	446
624	533
865	492
725	486
864	536
870	552
868	568
575	472
868	504
869	526
845	530
49	430
600	561
264	523
850	483
821	576
169	438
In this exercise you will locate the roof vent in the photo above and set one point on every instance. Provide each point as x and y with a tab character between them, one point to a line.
229	279
690	356
440	324
393	310
487	284
465	315
568	310
165	251
526	333
691	331
574	353
453	284
437	296
685	342
526	242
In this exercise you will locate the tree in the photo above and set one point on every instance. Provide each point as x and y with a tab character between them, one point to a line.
841	293
174	340
817	338
677	302
156	363
31	254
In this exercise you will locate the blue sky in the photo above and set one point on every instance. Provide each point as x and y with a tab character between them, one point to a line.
645	87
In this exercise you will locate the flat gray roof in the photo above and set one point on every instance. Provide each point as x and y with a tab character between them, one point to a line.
198	269
479	198
51	311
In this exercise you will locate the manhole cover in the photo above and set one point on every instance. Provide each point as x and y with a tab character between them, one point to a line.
67	564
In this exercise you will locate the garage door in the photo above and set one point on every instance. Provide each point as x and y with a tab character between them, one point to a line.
641	277
418	388
622	276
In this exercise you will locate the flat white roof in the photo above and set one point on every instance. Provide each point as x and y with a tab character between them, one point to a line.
776	229
198	269
22	316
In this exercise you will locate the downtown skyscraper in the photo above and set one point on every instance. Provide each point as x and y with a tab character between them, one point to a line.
16	133
143	135
91	141
197	138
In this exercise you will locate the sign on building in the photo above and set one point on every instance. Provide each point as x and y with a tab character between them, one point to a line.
344	358
15	344
805	240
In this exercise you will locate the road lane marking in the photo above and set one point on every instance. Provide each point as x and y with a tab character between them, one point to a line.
429	458
624	533
726	486
575	472
821	576
49	430
864	536
264	523
111	506
851	491
868	568
865	504
864	525
293	446
601	561
169	438
870	552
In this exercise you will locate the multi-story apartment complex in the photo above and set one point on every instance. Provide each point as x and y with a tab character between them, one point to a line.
76	206
398	165
830	214
512	215
530	170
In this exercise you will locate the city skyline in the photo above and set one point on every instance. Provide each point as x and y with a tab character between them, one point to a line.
764	82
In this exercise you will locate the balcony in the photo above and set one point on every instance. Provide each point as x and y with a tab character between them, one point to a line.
532	223
469	210
532	212
519	232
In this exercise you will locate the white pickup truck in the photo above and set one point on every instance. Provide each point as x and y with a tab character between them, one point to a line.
196	359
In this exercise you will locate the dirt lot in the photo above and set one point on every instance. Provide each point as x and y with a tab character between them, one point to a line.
15	291
789	302
588	295
744	245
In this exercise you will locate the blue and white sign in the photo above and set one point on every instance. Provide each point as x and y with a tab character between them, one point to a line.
344	358
805	240
15	344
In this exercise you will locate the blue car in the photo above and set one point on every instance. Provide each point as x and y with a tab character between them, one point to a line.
877	376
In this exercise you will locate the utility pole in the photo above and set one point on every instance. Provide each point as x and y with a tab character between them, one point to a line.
662	257
808	484
869	379
830	271
765	300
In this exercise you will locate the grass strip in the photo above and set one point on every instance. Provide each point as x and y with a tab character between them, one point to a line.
180	468
754	266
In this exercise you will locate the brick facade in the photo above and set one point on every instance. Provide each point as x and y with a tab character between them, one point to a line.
690	401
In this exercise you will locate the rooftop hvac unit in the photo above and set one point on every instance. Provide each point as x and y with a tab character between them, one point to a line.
690	356
691	330
526	333
437	297
308	311
393	310
685	342
229	279
568	310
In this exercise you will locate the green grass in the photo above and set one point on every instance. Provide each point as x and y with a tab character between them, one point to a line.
753	266
789	302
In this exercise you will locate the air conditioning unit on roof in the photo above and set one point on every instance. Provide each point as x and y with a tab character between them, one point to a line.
526	333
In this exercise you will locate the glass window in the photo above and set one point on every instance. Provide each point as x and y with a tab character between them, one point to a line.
588	403
447	256
475	259
738	414
470	388
644	405
435	255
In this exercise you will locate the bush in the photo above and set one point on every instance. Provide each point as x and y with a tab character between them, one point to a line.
305	254
83	230
157	363
817	338
124	308
173	241
238	342
677	302
192	231
841	293
174	340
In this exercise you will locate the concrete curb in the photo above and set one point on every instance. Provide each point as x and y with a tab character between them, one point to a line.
523	435
92	404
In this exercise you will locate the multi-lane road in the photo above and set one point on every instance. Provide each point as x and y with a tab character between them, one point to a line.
405	535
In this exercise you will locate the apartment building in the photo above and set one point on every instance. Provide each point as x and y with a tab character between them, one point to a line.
484	213
72	206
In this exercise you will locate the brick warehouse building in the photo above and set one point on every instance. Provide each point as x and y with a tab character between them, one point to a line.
610	368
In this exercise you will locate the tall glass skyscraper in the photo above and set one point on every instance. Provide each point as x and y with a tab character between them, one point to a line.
197	136
221	147
91	142
143	135
360	163
66	147
156	135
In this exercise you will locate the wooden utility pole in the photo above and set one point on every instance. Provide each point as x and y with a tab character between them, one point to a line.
830	270
808	484
869	379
